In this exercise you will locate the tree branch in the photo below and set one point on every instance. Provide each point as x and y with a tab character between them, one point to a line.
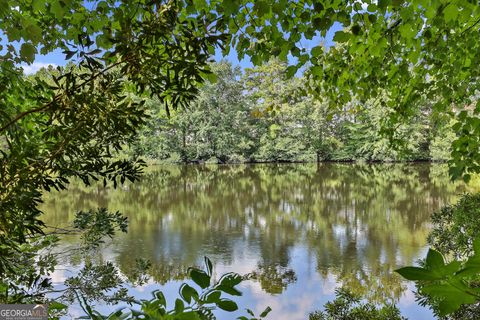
57	97
472	26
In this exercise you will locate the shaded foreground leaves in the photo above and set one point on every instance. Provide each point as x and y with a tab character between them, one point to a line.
193	304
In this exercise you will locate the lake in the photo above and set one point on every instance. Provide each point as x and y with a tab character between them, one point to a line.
302	230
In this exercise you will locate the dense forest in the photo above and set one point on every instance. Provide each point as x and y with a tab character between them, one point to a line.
261	115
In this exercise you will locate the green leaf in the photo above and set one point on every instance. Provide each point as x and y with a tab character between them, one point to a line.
208	266
317	51
262	7
69	54
316	71
57	9
229	7
230	279
213	297
291	70
451	268
102	41
230	290
441	290
356	29
211	77
179	306
265	312
190	315
4	8
450	12
472	266
27	52
34	33
160	298
227	305
476	245
383	4
468	271
187	293
407	31
200	4
56	306
200	277
341	36
416	273
434	259
38	5
452	296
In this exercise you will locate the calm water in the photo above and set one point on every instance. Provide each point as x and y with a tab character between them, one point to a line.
302	229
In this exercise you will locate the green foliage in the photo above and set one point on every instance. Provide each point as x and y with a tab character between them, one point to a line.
29	280
95	282
70	122
96	226
465	149
441	144
455	226
348	306
409	50
449	285
192	304
251	315
215	127
452	288
454	229
263	116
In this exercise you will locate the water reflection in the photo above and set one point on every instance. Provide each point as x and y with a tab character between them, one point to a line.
292	226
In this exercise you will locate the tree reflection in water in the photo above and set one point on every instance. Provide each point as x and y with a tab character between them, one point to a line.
357	222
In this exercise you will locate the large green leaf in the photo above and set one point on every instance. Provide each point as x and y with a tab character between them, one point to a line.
199	277
417	273
227	305
27	52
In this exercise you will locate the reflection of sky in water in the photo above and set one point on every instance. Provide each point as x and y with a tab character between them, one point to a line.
309	228
308	293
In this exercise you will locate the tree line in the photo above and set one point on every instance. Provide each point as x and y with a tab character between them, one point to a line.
261	115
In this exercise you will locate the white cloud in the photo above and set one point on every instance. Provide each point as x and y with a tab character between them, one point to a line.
34	67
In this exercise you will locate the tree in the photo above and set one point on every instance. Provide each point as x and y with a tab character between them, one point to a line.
218	119
422	49
262	116
214	127
411	50
71	123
